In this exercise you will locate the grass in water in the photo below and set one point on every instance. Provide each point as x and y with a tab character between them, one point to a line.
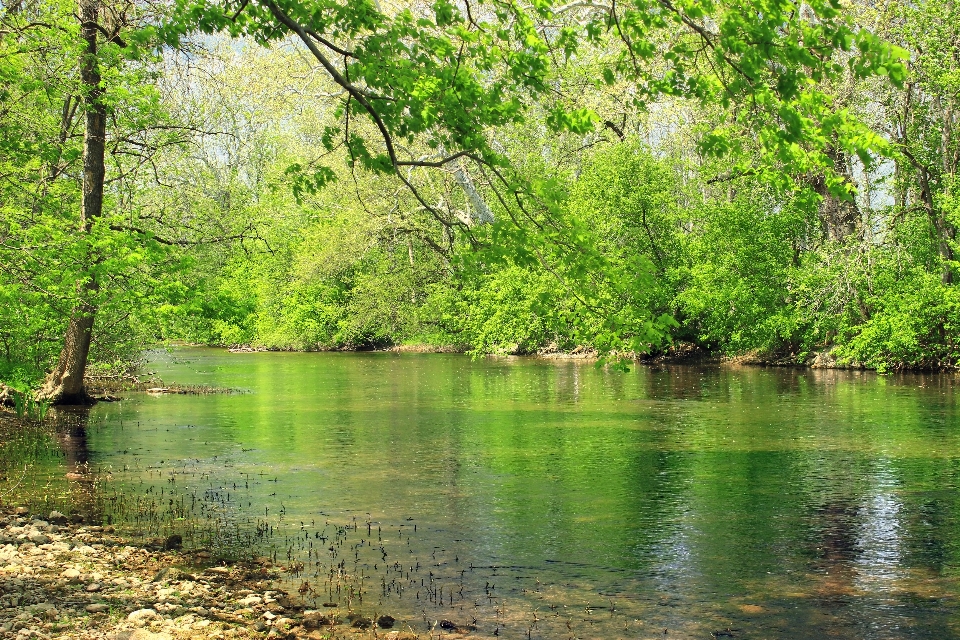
31	458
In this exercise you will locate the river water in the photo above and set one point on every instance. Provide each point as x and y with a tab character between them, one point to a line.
552	499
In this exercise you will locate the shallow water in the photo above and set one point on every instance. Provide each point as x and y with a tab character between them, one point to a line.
553	499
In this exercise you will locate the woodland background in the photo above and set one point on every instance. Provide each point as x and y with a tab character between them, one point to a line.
621	201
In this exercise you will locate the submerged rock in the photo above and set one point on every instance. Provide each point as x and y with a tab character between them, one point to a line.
362	622
173	542
315	619
386	622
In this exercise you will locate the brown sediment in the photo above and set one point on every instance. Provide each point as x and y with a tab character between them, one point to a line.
104	389
751	609
424	348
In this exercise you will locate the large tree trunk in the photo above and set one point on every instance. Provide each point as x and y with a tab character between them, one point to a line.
945	231
837	215
64	385
946	234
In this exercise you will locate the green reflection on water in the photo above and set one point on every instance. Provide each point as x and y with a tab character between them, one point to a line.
787	503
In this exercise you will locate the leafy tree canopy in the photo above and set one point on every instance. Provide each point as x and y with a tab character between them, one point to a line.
434	78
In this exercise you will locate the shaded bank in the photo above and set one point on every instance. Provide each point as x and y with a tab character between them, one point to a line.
677	353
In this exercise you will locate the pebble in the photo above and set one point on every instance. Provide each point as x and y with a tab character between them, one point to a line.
70	574
143	634
58	579
143	615
167	574
386	622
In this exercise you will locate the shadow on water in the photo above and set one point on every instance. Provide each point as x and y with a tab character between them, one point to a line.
71	430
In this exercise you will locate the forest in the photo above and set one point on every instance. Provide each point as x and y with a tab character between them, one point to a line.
766	178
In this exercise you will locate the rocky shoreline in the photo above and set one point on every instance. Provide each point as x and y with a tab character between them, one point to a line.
61	578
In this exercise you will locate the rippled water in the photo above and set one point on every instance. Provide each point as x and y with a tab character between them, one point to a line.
553	499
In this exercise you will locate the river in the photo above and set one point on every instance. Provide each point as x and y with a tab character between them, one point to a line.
552	499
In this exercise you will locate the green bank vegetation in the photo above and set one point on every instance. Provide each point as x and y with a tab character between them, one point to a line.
750	177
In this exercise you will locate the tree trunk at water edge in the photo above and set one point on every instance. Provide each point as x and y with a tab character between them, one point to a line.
64	385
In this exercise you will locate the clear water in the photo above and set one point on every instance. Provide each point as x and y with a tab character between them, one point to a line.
552	499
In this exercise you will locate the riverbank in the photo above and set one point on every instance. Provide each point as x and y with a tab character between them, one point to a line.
677	353
682	352
72	580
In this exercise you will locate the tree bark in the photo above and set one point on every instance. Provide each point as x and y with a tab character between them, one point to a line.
64	385
838	216
946	234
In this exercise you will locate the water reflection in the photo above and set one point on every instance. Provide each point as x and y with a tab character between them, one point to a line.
878	563
71	432
779	502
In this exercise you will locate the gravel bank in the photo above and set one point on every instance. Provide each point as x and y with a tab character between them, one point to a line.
66	580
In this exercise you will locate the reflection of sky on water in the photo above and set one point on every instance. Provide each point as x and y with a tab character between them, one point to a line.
674	563
879	562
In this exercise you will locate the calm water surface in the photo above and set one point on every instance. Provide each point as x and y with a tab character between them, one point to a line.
555	500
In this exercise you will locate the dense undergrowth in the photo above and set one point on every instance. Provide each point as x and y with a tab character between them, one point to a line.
743	271
740	270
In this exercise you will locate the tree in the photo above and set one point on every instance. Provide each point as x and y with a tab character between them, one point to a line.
64	385
38	119
73	147
923	118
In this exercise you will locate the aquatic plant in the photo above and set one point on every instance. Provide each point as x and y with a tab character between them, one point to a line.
26	406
